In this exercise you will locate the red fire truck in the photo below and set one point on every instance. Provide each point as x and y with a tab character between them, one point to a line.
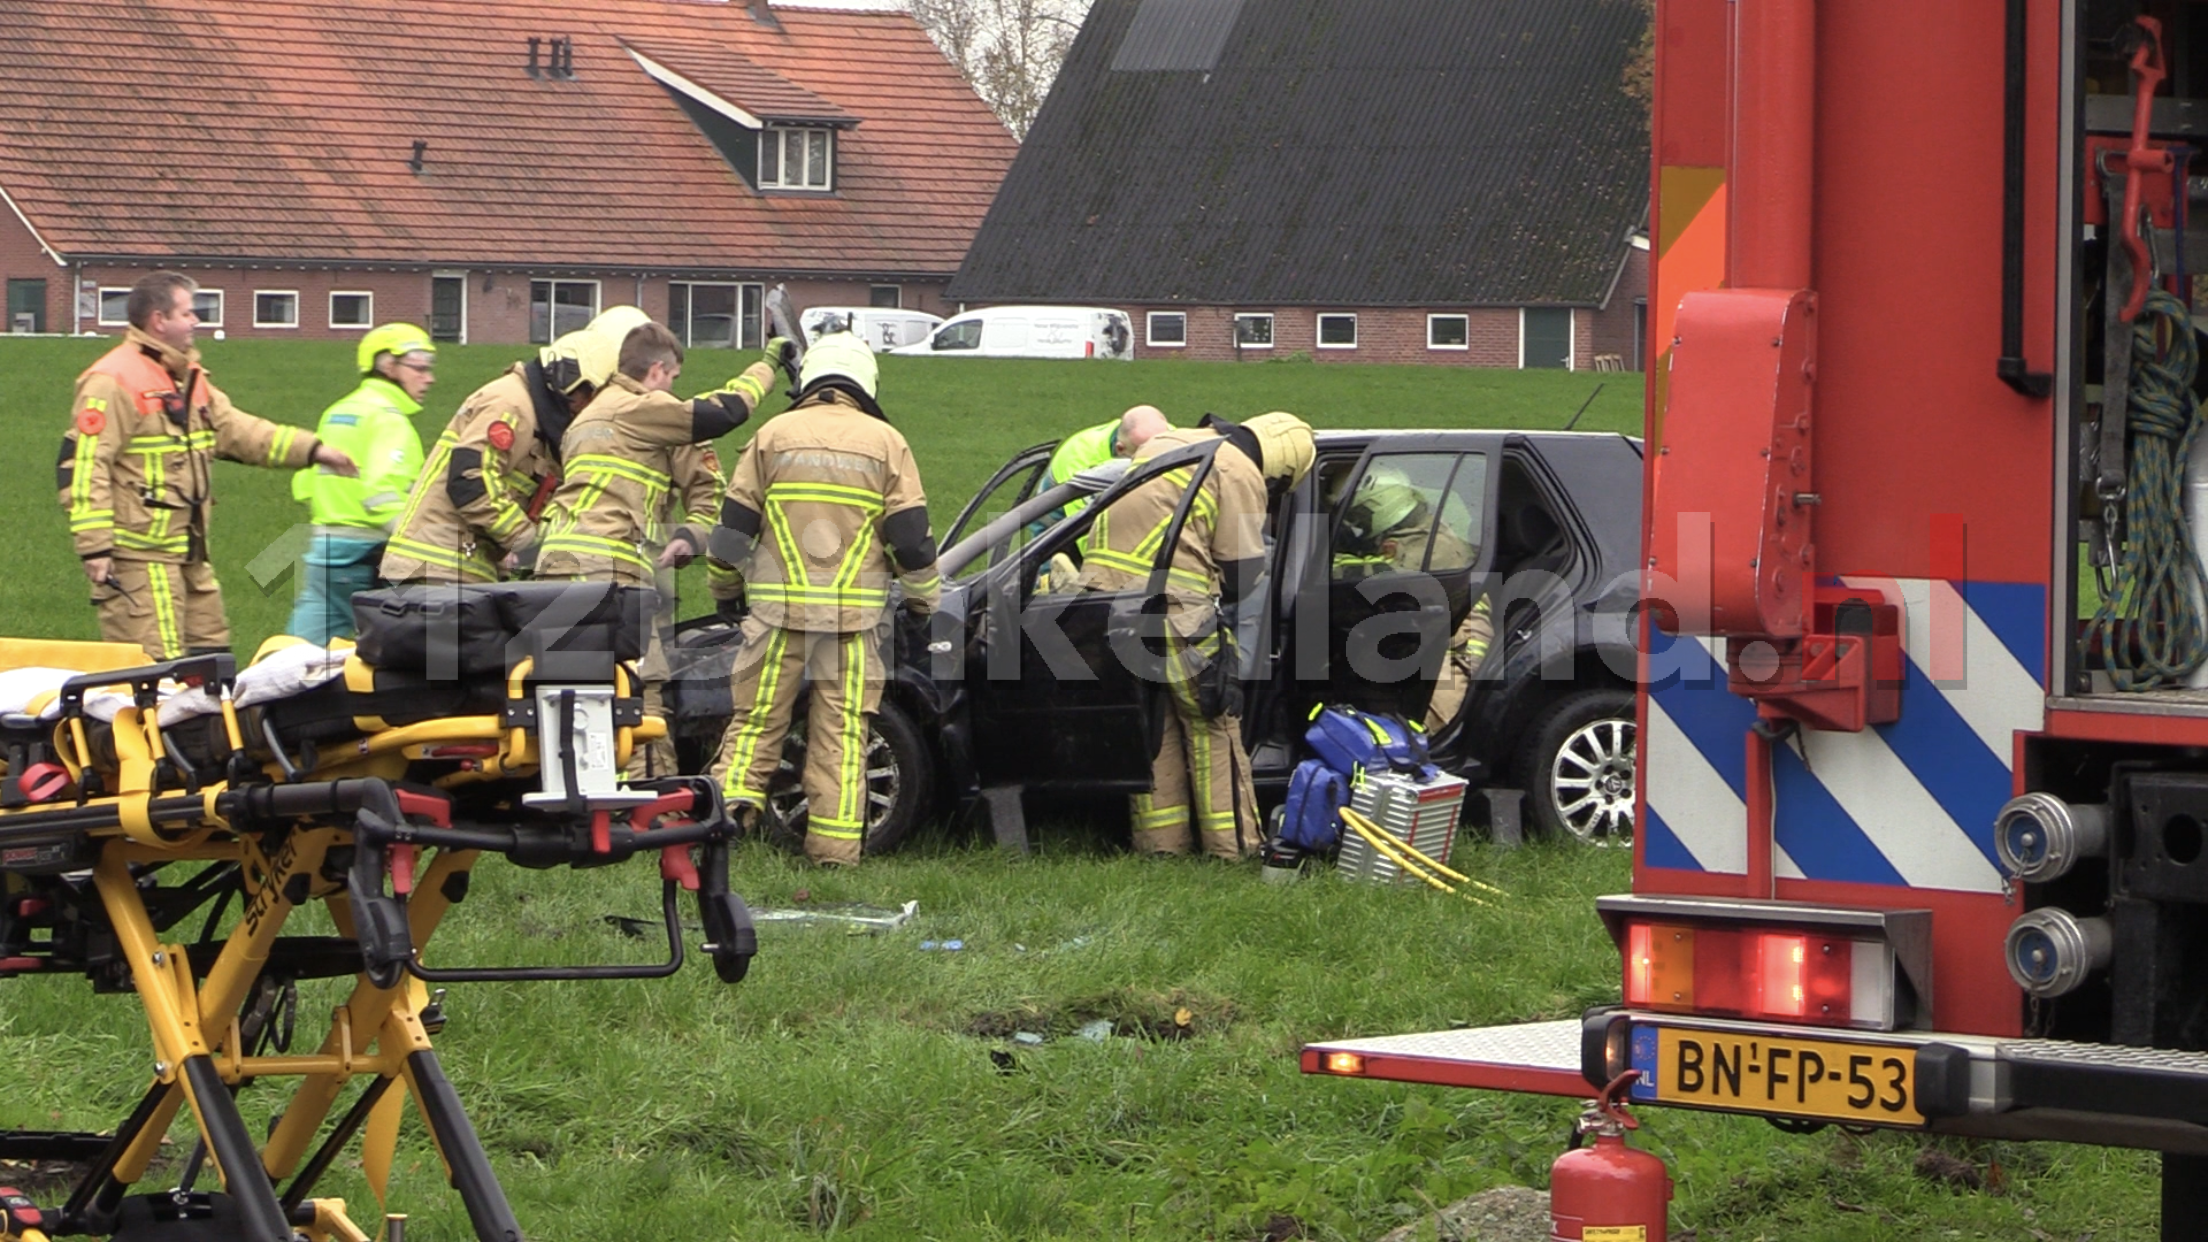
1922	818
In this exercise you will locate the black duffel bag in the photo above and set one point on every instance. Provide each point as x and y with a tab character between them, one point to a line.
470	629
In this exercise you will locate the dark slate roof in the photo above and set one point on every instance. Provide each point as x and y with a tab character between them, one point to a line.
1339	152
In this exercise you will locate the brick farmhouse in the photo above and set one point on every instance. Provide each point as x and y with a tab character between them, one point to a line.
1360	180
497	170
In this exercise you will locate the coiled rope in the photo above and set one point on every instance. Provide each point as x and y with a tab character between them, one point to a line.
2150	628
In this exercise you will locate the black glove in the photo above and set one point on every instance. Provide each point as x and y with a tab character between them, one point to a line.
732	610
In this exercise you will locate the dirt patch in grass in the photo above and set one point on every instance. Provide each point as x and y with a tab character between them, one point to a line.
1132	1013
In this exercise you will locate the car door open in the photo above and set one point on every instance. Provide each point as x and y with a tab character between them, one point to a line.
1066	687
1405	563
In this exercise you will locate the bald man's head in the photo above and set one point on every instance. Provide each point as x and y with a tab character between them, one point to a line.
1136	427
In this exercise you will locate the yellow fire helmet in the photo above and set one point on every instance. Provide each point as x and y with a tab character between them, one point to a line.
396	339
580	358
839	354
1284	443
616	322
1385	500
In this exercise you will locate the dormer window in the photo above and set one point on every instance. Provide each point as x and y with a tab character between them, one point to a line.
796	159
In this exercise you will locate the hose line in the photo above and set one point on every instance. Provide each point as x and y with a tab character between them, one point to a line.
2149	628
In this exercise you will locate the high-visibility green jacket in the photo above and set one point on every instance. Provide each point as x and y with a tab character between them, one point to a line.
1088	447
374	425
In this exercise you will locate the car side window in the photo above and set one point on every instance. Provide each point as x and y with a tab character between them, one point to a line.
1408	512
1463	531
965	334
1000	500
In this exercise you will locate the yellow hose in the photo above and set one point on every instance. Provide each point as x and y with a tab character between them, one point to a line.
1438	868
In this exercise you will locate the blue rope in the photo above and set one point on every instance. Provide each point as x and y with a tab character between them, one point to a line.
2149	628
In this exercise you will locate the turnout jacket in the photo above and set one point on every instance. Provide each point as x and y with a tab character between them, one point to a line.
629	459
1222	546
487	479
826	504
136	465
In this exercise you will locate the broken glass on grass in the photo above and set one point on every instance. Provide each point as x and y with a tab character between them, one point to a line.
857	918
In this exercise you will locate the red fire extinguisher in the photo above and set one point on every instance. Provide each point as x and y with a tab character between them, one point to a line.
1608	1192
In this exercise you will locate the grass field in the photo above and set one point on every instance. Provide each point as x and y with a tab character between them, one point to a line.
847	1088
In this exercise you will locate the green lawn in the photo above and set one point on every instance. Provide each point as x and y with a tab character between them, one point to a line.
847	1089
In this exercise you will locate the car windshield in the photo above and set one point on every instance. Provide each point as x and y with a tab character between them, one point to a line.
961	334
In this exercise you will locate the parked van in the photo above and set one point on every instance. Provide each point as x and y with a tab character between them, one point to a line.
885	328
1032	332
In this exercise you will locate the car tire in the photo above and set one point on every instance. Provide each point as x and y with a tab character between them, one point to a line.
900	784
1578	768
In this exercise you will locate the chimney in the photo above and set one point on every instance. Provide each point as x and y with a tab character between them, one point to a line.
415	161
533	41
562	58
762	13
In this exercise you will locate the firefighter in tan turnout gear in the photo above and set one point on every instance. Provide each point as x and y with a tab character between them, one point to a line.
1200	776
136	474
824	509
621	459
473	514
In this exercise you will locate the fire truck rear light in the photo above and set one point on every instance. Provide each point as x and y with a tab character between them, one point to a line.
1344	1063
1659	966
1760	973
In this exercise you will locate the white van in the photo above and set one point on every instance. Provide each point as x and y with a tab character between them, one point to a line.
1032	332
884	328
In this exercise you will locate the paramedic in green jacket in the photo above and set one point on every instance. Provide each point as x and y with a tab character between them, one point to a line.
1093	446
374	424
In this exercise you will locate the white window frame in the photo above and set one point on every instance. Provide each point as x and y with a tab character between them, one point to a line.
779	135
689	317
1318	329
293	294
1150	330
1466	320
222	306
1272	329
368	322
99	306
1571	337
551	305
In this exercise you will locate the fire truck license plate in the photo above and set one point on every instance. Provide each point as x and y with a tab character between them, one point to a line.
1867	1084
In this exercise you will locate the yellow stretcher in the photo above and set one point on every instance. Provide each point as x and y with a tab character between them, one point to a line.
374	794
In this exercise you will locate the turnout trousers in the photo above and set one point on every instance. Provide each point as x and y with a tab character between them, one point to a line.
1200	777
845	670
170	610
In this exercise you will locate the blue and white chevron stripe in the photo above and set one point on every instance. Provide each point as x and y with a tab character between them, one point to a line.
1909	803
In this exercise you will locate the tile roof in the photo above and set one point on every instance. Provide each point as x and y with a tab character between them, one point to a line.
280	130
754	88
1339	152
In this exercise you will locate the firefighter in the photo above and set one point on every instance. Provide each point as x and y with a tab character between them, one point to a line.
608	520
472	515
1389	526
1200	776
352	516
835	489
137	468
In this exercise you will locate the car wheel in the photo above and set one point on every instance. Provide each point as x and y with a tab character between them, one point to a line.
1578	770
899	775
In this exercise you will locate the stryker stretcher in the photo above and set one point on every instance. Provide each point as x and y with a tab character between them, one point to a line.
372	789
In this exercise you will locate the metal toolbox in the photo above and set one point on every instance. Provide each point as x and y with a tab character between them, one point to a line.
1422	814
